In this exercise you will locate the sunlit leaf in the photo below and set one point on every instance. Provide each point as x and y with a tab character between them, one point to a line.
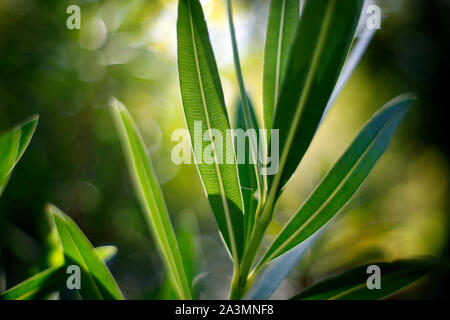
343	179
96	280
151	198
208	124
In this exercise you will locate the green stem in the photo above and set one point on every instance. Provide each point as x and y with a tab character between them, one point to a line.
242	278
238	287
240	283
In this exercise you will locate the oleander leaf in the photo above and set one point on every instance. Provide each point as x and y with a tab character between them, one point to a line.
151	198
322	41
12	146
342	181
97	283
281	27
47	281
352	284
208	124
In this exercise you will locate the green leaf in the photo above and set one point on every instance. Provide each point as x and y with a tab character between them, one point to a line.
247	173
343	179
352	284
96	280
151	198
321	44
204	106
12	146
48	281
283	20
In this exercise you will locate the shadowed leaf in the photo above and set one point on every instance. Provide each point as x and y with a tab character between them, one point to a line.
352	285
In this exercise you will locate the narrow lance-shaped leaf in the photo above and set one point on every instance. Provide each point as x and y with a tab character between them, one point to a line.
97	283
151	198
50	280
247	174
321	44
283	19
353	284
12	146
343	179
208	124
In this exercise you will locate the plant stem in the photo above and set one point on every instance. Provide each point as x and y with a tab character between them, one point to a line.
241	283
239	289
242	278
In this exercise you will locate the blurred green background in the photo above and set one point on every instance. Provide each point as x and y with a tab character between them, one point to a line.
127	49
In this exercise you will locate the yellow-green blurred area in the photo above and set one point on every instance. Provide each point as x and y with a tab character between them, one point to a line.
127	49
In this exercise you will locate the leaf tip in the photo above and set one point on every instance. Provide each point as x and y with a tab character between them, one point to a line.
53	211
408	97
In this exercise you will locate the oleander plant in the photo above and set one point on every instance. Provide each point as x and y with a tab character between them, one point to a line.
311	49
